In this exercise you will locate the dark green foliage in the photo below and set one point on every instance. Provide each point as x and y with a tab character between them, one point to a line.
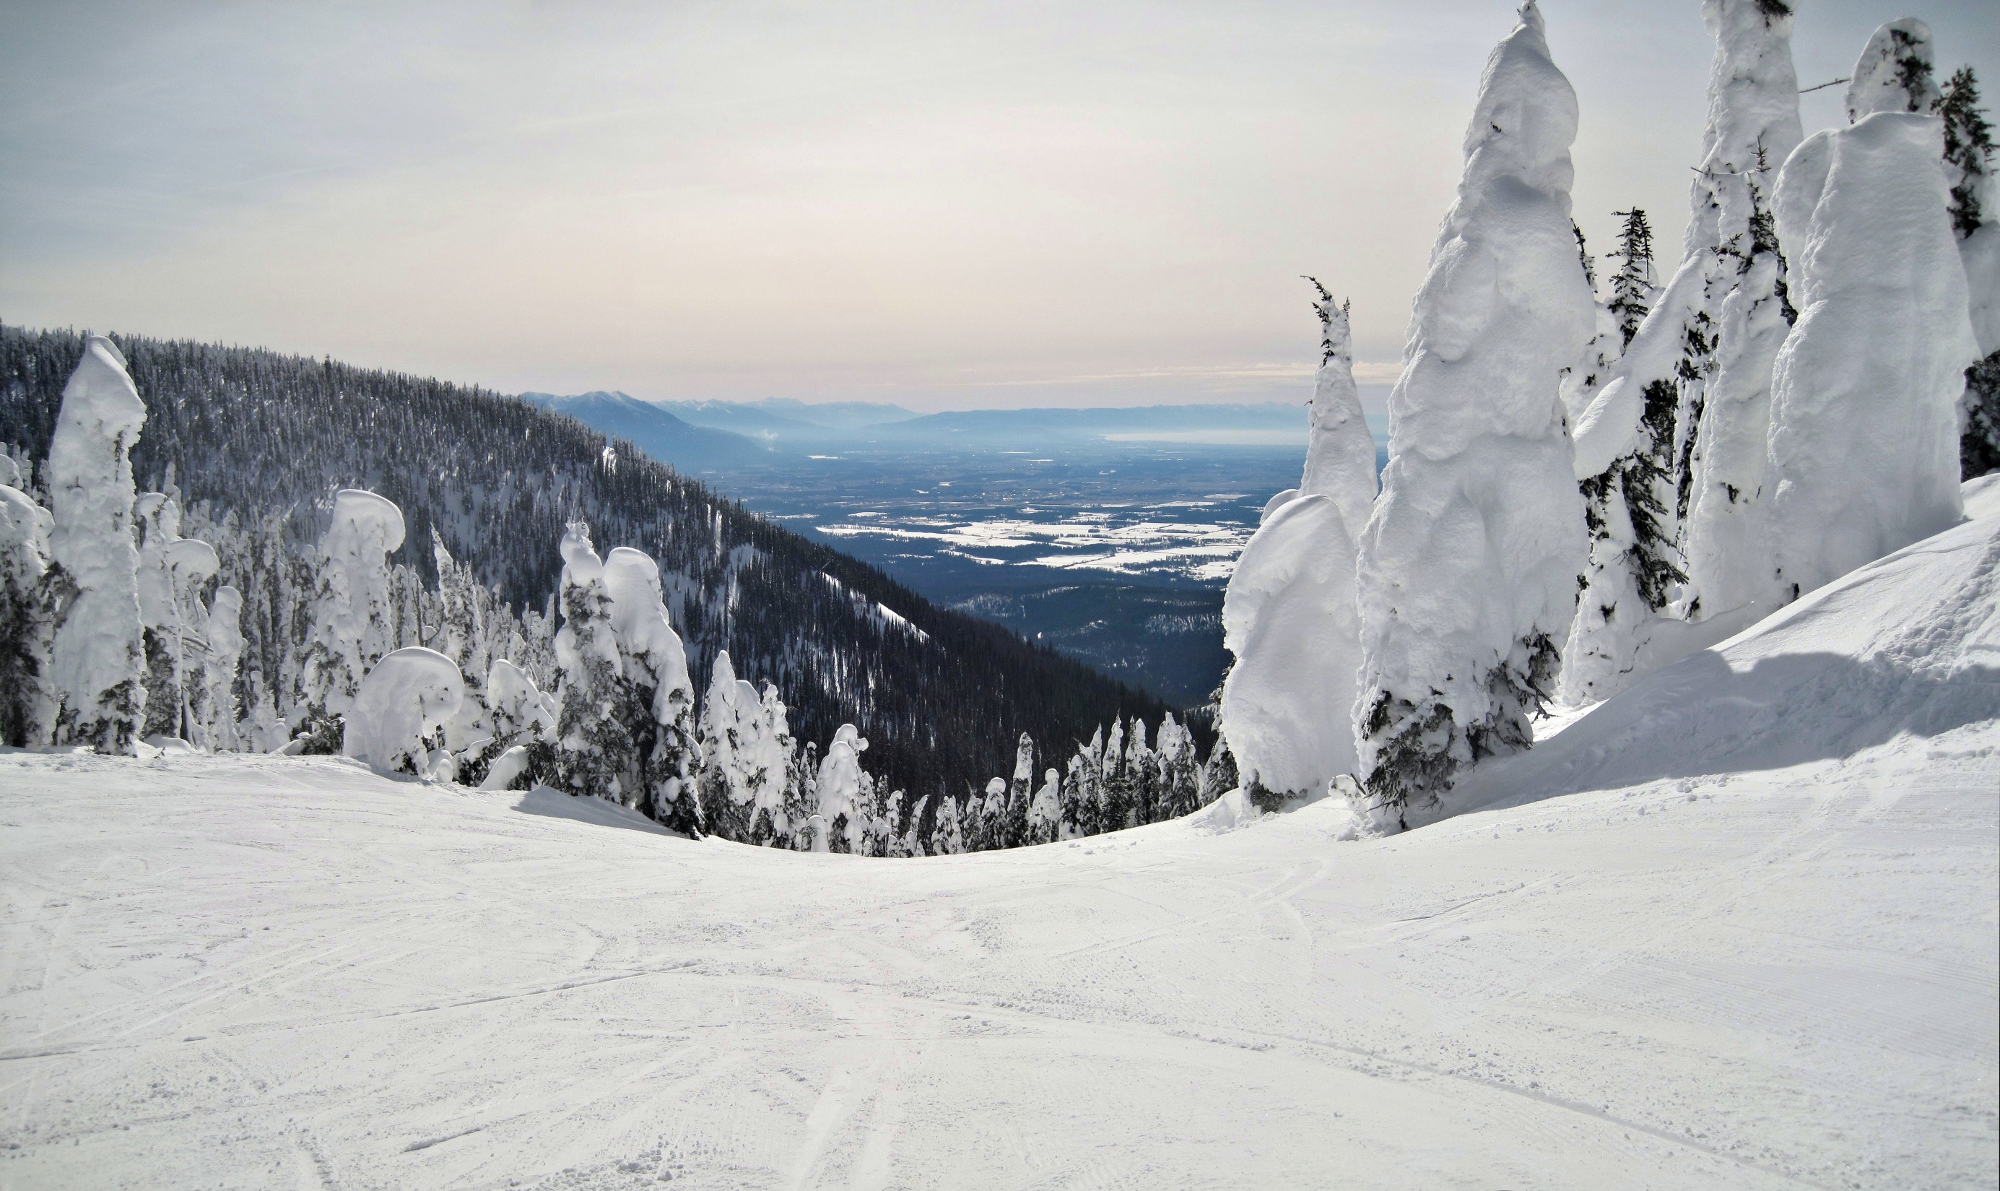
1968	146
1411	766
1979	445
1632	286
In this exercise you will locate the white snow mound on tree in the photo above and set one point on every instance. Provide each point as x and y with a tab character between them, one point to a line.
1289	619
1469	562
97	664
405	700
1864	406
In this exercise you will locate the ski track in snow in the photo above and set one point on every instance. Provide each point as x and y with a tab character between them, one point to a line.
277	972
1761	958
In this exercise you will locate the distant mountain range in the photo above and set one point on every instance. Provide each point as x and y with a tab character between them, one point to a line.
707	437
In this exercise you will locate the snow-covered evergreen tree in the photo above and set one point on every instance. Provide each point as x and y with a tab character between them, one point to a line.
97	663
1968	152
156	519
352	613
915	836
774	750
190	564
597	752
1114	786
1045	811
1142	772
466	613
1641	449
27	622
1020	792
1469	564
1864	434
801	794
395	722
222	633
1180	776
840	792
1218	774
1634	287
727	796
947	839
1289	615
518	716
1082	794
659	695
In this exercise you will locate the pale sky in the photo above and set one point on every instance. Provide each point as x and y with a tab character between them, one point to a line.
945	205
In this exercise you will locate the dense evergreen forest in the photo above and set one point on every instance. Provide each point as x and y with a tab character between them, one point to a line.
250	436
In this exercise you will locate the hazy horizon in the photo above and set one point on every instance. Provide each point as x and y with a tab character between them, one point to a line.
986	207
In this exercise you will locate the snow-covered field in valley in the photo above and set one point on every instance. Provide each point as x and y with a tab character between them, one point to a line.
1746	970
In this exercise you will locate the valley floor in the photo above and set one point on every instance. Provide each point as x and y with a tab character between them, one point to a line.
251	972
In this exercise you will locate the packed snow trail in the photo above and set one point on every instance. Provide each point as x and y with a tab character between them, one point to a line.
1760	969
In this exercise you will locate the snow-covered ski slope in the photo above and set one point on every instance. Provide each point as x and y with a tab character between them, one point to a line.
1737	928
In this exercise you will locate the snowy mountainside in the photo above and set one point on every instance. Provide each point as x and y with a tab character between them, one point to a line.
1751	970
249	434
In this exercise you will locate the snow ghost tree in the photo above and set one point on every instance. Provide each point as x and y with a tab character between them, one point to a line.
1654	460
1014	824
1180	783
351	614
190	564
626	731
840	791
223	636
396	719
1469	563
597	754
97	664
27	627
1289	614
1864	434
522	723
157	519
1625	504
745	750
1045	813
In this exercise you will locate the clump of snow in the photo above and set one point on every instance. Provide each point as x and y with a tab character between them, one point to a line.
1469	563
97	663
1864	435
401	707
1894	72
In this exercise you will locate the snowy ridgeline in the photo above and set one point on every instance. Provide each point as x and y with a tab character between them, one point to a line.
119	633
252	444
1580	492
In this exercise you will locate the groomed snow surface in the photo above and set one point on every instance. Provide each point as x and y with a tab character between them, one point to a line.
1735	928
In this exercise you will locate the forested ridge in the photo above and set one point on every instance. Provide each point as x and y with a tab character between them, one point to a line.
942	697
